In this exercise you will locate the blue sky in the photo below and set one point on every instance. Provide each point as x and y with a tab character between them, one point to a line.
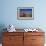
26	10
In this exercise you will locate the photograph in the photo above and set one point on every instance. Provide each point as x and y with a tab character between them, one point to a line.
25	13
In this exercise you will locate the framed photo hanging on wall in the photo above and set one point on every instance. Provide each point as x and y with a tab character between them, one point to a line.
25	13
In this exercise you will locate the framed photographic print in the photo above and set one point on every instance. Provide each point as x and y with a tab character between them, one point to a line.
25	13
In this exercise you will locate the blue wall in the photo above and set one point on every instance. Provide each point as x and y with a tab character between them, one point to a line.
8	13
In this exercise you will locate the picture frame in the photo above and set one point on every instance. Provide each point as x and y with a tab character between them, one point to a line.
25	13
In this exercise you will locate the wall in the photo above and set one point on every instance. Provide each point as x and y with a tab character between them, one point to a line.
8	13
